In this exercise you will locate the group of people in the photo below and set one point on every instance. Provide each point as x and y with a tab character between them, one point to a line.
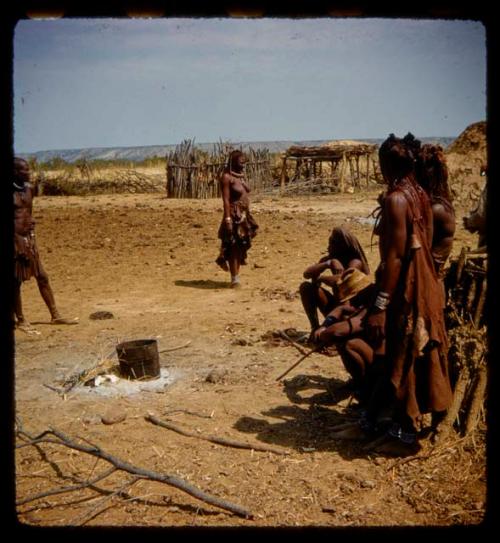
389	331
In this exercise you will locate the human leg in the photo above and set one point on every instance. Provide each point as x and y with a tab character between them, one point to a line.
20	321
356	356
308	298
18	306
47	294
234	266
315	298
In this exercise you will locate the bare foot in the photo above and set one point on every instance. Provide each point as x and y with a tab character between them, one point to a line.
27	328
61	320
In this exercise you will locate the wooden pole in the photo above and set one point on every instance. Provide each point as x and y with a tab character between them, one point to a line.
283	173
351	171
342	172
367	170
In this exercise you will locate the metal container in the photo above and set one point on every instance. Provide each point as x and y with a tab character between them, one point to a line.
139	359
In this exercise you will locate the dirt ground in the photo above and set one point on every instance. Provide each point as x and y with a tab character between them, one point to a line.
150	262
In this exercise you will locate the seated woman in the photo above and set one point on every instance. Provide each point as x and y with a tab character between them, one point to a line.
344	251
344	328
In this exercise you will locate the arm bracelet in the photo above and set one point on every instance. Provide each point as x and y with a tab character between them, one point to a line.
381	302
328	322
228	219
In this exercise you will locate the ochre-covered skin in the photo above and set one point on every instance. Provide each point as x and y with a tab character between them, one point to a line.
27	263
238	227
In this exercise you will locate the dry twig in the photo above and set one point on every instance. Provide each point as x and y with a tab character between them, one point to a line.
213	439
174	348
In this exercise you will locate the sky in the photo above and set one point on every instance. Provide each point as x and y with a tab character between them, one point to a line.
82	83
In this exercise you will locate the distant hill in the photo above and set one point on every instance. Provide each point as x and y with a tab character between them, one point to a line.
138	154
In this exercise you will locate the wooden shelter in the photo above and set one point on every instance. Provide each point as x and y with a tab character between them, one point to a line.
338	166
193	173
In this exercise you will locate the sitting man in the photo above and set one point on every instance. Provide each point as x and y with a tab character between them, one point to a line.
344	251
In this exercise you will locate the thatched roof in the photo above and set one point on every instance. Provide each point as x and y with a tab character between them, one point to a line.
332	150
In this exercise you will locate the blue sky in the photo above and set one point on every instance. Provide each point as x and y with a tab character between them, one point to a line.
130	82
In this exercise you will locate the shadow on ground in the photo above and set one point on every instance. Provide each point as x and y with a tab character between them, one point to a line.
306	424
202	283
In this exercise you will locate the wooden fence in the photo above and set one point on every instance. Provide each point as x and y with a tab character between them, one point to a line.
193	173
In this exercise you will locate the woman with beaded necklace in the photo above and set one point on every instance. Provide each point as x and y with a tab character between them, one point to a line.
406	324
238	227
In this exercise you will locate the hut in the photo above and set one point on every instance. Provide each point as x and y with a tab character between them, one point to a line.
337	166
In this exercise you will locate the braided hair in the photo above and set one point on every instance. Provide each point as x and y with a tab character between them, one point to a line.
397	156
233	156
432	173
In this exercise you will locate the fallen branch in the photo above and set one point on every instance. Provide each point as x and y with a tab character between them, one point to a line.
101	507
64	489
187	412
171	480
213	439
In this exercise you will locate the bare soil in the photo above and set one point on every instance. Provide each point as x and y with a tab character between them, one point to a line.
150	262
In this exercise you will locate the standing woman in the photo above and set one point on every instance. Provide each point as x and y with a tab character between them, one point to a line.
238	227
432	175
408	311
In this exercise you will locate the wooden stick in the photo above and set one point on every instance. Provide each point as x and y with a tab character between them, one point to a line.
175	348
64	489
477	401
299	347
367	171
303	357
342	172
458	395
214	439
176	482
480	304
100	507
